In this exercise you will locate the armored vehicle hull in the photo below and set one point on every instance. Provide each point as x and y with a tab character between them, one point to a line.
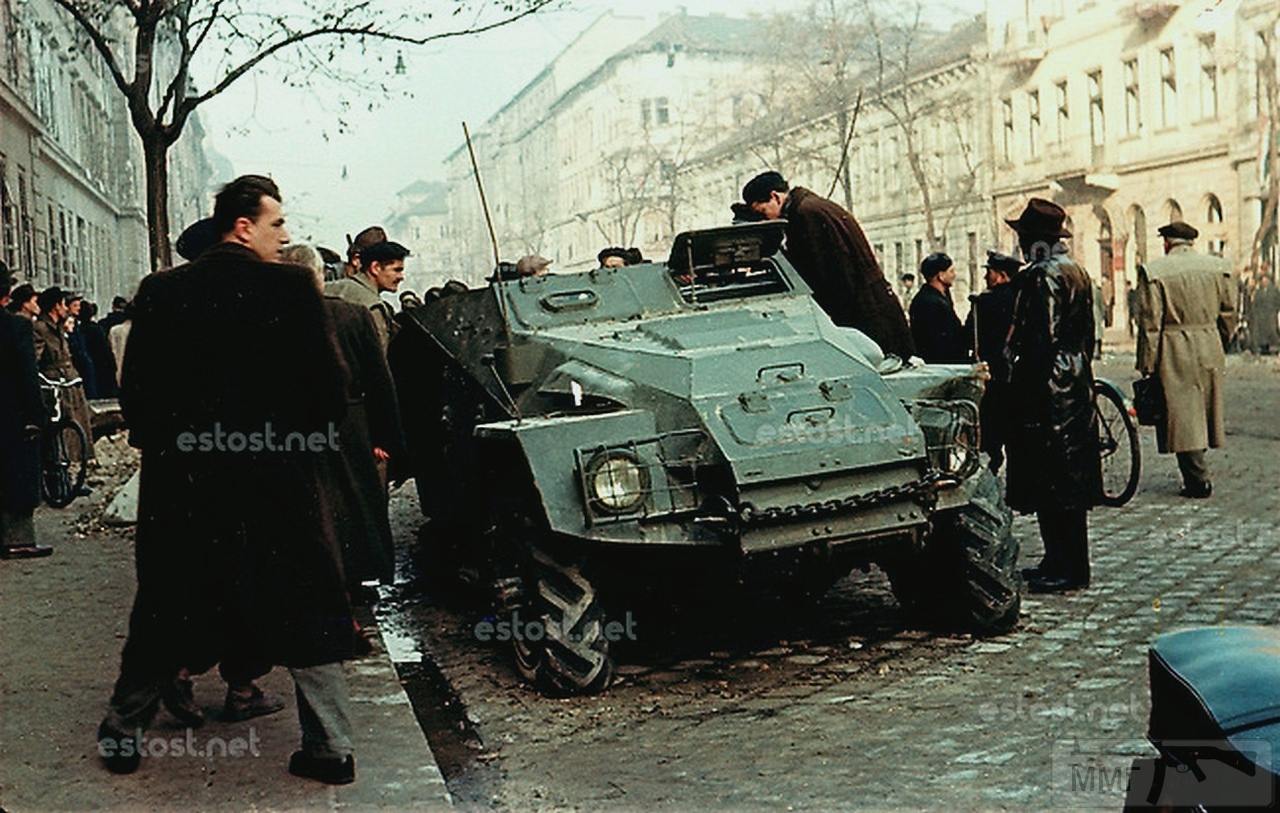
581	436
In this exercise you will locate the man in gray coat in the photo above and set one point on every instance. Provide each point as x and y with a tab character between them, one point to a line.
1186	303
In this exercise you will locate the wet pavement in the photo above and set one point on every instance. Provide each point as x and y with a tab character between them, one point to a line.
841	703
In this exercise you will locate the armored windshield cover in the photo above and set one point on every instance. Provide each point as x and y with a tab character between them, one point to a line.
726	246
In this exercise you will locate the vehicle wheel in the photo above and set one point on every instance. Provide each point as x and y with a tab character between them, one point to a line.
569	654
967	575
64	463
1118	445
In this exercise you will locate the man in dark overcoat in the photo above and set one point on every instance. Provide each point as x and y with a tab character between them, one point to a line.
1052	447
235	544
1264	313
22	413
988	329
831	253
935	328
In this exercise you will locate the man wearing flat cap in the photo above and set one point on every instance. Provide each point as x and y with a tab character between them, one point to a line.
987	329
1052	445
828	248
1186	306
935	328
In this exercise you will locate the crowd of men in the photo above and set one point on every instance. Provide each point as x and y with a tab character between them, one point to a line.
251	554
1037	327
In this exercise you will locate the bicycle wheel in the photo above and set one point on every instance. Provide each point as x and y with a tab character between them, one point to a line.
64	463
1117	445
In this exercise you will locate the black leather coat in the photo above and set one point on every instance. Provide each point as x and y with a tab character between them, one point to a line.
1053	441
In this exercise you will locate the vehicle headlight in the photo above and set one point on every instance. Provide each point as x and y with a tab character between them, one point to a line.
617	481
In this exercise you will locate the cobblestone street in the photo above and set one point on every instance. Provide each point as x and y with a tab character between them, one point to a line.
839	705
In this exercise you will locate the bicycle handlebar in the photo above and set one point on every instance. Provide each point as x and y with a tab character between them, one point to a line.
61	382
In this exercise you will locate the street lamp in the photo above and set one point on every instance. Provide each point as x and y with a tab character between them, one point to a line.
400	67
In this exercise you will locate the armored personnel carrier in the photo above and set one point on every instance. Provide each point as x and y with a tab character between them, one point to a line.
581	439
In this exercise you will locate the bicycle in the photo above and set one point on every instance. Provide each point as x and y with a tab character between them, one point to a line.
64	448
1118	444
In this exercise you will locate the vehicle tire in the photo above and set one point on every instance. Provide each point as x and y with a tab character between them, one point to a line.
967	575
1118	445
571	653
64	463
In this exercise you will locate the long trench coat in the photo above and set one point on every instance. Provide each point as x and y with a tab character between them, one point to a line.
233	388
53	358
20	407
1053	439
372	419
1186	303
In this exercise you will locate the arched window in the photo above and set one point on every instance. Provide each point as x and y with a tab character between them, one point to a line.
1213	210
1172	210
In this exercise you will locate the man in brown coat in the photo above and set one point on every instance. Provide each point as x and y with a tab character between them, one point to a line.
828	248
53	358
1186	303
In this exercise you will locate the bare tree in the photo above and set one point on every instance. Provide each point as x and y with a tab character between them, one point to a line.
1268	107
896	34
229	39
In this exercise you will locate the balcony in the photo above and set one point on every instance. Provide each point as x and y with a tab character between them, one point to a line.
1024	46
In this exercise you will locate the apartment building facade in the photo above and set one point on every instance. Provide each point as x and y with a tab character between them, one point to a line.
71	177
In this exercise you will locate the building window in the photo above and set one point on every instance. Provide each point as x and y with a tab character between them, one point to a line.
1132	98
1007	106
919	253
891	182
1097	115
1168	89
1208	80
897	259
1213	216
1033	122
1064	112
1260	48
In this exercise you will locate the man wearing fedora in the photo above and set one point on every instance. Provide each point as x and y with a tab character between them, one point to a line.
832	255
1052	446
1186	305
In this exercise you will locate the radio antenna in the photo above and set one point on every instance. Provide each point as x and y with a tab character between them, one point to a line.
497	269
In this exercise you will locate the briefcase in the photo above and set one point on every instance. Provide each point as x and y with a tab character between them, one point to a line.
1148	400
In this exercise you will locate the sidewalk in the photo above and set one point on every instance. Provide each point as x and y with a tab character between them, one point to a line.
64	621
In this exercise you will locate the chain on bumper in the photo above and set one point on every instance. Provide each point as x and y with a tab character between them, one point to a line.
925	486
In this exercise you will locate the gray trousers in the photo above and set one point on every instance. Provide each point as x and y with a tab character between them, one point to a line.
1194	468
323	710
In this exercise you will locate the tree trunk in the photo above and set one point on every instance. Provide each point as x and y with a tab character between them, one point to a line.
156	159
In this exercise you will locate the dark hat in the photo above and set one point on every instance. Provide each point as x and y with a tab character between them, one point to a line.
635	257
612	251
1041	218
368	237
23	294
384	252
1003	263
73	296
743	213
935	264
197	238
757	189
1177	230
50	296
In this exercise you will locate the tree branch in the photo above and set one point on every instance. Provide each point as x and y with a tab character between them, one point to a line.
99	41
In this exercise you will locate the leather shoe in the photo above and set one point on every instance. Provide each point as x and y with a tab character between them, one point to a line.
119	751
330	771
1197	492
257	704
179	698
1055	583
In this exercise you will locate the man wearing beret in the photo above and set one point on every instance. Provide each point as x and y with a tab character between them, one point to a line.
1052	446
987	329
935	328
828	248
1186	305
